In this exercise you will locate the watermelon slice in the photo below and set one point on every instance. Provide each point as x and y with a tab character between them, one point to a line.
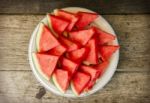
81	36
68	44
67	16
57	24
106	51
45	64
92	57
58	51
61	79
79	82
45	39
103	37
92	72
78	55
85	18
69	65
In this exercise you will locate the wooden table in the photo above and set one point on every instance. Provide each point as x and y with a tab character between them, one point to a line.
129	18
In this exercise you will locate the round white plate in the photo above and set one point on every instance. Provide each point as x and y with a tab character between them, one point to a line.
105	78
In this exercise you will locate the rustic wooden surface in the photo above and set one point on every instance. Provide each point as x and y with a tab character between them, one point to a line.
130	19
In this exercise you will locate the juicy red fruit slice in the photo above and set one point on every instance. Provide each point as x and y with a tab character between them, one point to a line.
103	37
85	19
81	36
106	51
61	79
92	57
79	82
67	16
45	39
57	23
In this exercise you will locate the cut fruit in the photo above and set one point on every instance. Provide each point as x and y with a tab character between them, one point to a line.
78	55
106	51
79	82
85	18
69	65
92	57
103	37
81	36
45	39
68	44
61	79
67	16
45	64
57	24
58	51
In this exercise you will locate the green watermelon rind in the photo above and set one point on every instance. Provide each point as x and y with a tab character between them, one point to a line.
73	89
36	63
56	83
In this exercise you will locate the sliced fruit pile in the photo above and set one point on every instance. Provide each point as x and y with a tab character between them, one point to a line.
71	51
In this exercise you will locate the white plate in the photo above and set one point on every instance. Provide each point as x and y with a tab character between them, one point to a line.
101	23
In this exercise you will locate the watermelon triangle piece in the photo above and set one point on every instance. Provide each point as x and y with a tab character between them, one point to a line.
81	36
78	55
61	79
85	18
79	82
57	24
103	37
45	64
92	57
67	16
68	44
58	51
69	65
106	51
45	39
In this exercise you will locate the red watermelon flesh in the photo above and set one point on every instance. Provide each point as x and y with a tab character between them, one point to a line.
69	65
58	51
61	79
103	37
78	55
45	64
68	44
92	57
106	51
67	16
57	23
92	72
85	19
45	39
79	82
81	36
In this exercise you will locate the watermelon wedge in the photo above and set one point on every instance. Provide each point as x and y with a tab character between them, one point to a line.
45	64
106	51
69	65
61	79
103	37
85	18
81	36
92	57
68	44
45	39
57	24
58	51
67	16
79	82
78	55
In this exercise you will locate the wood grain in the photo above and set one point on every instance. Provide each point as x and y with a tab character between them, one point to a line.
132	31
101	6
16	87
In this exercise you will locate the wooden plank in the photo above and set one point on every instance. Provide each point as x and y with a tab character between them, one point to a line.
101	6
20	86
132	31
